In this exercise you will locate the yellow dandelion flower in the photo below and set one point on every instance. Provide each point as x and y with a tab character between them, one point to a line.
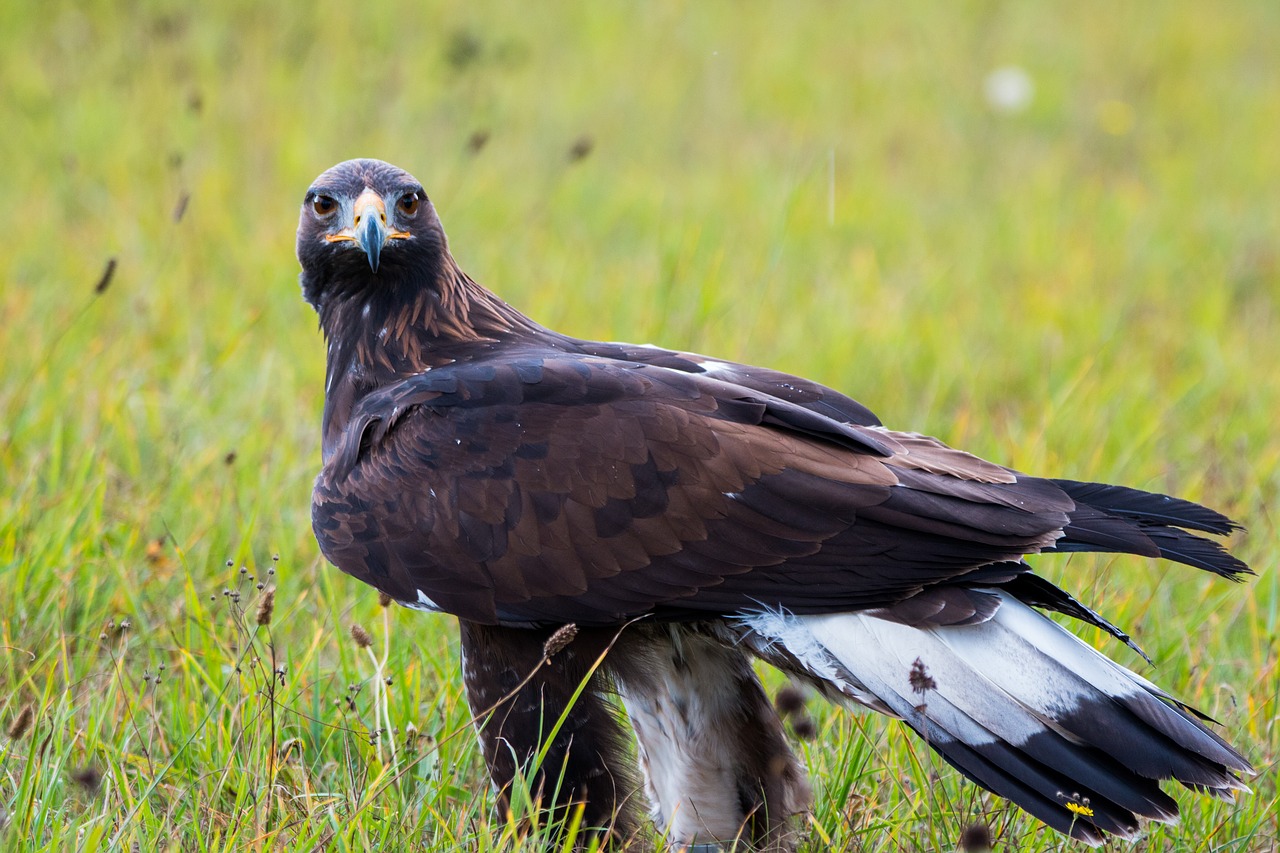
1079	809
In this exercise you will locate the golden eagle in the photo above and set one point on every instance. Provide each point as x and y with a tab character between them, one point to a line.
479	464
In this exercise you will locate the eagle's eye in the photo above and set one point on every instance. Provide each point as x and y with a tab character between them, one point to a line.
323	205
408	204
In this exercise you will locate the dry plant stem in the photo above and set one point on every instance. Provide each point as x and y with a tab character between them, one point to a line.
382	682
271	700
381	713
117	666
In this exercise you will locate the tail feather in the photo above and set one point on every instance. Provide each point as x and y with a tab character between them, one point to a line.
1123	520
1148	506
1038	662
1004	745
1038	592
1042	791
1020	706
976	767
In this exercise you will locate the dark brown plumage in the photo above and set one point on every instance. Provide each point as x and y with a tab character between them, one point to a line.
479	464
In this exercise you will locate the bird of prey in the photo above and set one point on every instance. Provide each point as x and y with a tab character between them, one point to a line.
686	514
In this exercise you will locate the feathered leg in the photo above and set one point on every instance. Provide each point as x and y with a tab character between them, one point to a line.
716	761
586	764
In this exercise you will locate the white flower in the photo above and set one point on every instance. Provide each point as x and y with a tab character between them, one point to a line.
1008	89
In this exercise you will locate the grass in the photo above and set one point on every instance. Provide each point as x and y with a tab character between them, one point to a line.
1086	288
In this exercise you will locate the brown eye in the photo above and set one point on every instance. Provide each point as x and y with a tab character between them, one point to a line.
408	204
323	205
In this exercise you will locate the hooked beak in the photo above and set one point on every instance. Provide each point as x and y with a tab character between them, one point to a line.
368	227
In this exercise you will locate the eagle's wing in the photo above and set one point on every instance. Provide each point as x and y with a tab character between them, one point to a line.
542	487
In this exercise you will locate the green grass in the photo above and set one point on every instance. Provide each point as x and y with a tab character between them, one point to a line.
1088	288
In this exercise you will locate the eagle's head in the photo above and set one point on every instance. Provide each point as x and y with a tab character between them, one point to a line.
367	226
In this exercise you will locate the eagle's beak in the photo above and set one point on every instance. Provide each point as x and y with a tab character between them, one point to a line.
370	226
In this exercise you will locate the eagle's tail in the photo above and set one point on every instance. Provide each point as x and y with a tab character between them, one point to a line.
1020	706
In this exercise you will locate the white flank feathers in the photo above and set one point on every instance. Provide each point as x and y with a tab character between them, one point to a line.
686	749
423	603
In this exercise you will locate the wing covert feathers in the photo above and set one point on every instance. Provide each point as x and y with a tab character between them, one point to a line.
537	487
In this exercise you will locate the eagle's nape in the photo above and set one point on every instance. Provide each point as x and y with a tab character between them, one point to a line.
480	464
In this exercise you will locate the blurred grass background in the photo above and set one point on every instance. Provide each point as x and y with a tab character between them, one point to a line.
1083	285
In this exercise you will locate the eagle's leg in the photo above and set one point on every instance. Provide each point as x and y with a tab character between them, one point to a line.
716	760
586	764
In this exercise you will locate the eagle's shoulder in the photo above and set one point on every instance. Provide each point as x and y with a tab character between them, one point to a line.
785	386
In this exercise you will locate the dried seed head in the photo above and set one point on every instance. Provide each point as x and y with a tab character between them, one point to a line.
581	148
266	607
920	679
180	209
804	727
155	552
976	838
562	637
290	746
362	637
21	723
384	600
104	280
89	778
789	701
477	141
